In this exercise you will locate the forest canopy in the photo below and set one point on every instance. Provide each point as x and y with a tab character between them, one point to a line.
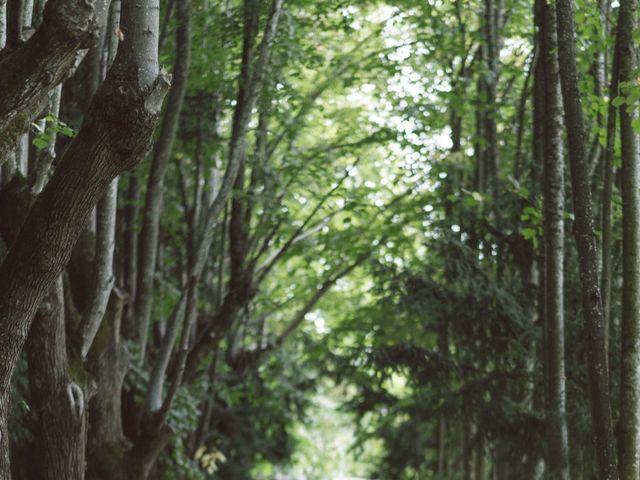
312	240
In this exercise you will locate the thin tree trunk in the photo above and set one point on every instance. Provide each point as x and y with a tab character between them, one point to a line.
3	23
155	185
130	250
478	466
467	451
629	436
586	245
607	201
79	89
557	436
104	279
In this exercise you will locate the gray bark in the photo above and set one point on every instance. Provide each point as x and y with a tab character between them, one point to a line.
3	23
27	14
557	436
155	184
107	362
104	278
105	212
46	158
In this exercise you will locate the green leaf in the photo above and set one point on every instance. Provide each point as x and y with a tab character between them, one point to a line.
40	142
616	102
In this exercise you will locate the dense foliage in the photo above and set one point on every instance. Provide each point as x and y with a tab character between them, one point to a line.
347	252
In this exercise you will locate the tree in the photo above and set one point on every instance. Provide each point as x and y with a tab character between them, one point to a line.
586	244
630	329
558	442
116	135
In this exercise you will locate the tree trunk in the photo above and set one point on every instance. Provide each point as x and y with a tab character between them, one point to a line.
130	250
557	437
37	66
159	163
629	434
106	449
103	278
115	136
59	399
585	237
607	203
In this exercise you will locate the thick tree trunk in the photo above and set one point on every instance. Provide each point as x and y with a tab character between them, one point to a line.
557	436
41	63
629	436
586	245
115	136
60	400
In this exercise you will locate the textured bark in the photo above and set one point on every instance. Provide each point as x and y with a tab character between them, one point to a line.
13	132
115	136
44	60
59	399
3	23
27	14
46	157
106	447
103	275
80	88
155	184
585	238
103	279
629	434
557	436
